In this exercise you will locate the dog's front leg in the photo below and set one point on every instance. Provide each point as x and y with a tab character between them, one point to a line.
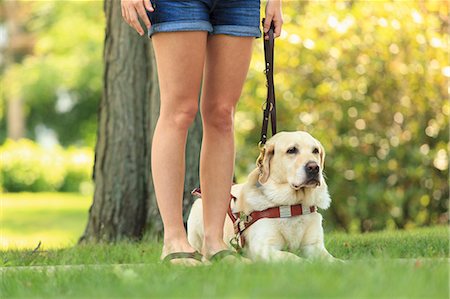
266	244
270	254
317	251
312	245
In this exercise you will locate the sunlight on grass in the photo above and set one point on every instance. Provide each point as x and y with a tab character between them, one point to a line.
55	219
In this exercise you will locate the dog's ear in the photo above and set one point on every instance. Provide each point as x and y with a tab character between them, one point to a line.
322	156
264	163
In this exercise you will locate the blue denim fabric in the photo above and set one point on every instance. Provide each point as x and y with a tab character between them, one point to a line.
231	17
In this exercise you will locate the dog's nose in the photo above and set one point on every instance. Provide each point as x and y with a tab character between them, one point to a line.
311	168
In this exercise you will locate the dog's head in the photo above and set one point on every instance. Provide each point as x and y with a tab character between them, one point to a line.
295	158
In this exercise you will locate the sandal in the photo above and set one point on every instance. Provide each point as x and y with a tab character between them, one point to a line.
178	257
223	255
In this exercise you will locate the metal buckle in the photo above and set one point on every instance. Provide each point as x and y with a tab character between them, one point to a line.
234	242
261	145
239	225
245	218
236	226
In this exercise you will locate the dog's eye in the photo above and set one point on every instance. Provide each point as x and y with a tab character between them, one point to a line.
292	150
315	150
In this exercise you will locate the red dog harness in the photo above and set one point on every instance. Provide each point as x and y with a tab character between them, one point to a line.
241	221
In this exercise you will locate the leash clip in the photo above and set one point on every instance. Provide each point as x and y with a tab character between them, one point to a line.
245	219
234	242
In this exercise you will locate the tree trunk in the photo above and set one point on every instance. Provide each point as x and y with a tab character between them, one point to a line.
121	170
124	205
16	118
15	114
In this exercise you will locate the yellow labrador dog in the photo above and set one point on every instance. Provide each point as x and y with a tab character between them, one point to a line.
289	174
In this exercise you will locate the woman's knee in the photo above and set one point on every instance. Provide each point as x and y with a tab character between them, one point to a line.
218	117
181	116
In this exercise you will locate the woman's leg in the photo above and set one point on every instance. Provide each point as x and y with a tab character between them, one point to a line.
180	58
226	66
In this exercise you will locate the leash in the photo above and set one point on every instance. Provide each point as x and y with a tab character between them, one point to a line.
270	111
241	221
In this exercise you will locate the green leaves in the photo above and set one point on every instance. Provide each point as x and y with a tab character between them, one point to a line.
367	80
66	57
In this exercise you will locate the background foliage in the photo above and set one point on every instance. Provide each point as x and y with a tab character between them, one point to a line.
368	79
26	166
61	79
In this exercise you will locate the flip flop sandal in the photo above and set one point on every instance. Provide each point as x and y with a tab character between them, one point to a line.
197	256
223	254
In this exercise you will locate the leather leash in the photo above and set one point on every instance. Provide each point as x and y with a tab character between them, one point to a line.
270	109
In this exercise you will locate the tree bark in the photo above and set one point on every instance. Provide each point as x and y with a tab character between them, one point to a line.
124	205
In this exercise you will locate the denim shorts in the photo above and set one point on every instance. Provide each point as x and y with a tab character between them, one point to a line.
231	17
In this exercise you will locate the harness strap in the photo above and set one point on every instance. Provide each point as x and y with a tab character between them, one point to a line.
270	108
242	221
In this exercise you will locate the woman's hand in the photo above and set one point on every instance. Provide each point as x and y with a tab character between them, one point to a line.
273	13
131	9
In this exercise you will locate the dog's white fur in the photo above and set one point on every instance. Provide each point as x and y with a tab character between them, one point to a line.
280	180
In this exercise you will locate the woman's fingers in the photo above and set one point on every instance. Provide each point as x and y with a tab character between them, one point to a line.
267	21
278	22
273	13
134	21
143	15
148	5
132	10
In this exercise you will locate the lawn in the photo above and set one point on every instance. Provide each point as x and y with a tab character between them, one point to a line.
397	264
54	219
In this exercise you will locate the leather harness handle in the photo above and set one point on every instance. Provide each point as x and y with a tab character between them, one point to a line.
270	109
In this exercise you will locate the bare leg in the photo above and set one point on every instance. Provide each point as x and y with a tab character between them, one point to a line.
180	59
226	66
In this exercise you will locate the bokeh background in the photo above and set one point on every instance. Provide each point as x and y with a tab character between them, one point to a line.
369	79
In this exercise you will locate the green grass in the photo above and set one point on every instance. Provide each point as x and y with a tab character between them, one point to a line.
377	267
396	264
361	279
403	264
55	219
419	243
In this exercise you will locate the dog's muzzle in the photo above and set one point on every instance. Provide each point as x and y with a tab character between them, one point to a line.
312	171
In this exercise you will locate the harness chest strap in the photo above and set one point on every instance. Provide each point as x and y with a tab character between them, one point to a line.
242	222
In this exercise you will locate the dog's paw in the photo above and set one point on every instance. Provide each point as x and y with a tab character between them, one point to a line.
335	260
